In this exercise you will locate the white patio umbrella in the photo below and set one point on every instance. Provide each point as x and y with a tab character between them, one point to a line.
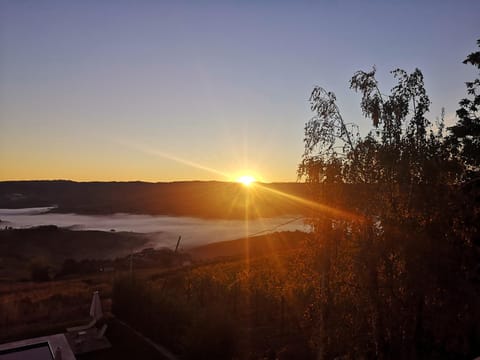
96	307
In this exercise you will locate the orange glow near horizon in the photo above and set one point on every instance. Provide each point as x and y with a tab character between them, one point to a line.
247	176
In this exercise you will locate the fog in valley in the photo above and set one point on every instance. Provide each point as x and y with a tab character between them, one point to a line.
164	230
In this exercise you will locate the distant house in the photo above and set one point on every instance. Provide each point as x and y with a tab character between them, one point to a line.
107	269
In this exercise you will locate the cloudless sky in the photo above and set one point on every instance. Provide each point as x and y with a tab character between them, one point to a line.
207	90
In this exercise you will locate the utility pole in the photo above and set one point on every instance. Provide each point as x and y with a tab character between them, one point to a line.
131	265
178	243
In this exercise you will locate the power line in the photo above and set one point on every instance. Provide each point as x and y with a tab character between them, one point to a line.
276	226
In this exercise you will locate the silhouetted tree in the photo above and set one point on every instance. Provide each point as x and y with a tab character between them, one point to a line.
39	272
397	259
466	133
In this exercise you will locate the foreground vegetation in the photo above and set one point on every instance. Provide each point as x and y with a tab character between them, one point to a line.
243	308
34	308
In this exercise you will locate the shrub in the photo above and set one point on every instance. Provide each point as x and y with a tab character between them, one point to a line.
213	335
39	272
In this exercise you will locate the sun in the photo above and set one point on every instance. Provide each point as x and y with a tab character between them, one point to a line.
246	180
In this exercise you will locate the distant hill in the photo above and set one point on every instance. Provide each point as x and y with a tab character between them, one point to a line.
51	245
195	198
57	244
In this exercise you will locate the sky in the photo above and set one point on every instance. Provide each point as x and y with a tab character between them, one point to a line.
204	90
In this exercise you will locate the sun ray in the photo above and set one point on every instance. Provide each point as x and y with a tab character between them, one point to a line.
314	205
165	155
233	204
247	253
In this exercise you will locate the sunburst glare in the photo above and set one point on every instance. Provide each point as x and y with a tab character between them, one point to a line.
246	180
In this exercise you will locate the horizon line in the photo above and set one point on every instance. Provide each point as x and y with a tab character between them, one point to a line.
147	182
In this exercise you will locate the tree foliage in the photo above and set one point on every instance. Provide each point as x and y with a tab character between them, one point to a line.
398	275
466	133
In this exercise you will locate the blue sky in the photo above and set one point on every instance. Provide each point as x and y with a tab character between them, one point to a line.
148	90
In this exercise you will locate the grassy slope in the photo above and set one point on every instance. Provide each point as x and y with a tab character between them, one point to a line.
257	246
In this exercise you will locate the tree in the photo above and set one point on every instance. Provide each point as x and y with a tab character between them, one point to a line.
466	133
39	271
395	263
